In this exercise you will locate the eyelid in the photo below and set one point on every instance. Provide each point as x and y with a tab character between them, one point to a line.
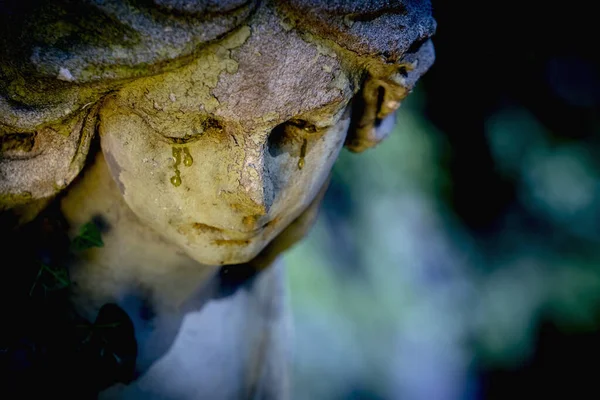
207	124
305	128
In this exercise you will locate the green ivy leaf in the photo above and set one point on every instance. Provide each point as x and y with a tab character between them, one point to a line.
89	236
60	278
50	279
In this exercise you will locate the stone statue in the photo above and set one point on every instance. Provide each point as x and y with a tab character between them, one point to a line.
196	134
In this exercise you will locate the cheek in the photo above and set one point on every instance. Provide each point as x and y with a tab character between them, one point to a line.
162	183
301	177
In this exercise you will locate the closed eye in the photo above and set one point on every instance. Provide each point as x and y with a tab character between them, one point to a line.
287	137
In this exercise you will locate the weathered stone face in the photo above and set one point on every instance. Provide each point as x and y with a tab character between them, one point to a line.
220	147
221	155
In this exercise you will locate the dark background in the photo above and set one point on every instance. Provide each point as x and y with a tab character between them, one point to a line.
542	57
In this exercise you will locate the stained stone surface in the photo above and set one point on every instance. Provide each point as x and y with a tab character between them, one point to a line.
201	134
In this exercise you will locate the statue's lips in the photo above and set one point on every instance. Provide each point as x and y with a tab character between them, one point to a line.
227	236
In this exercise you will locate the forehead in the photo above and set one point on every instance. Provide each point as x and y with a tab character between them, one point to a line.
259	76
281	73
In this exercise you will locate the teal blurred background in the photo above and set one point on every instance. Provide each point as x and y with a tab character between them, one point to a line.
459	259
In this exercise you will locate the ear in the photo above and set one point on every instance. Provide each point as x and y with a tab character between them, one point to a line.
373	115
373	111
39	164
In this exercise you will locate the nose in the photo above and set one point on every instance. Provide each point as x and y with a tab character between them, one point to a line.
257	192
